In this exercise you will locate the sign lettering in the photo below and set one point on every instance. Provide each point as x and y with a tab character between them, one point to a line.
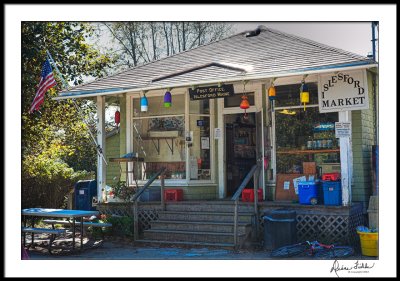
342	129
343	91
211	92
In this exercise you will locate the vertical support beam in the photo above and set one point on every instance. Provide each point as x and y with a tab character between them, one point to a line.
255	185
235	225
187	129
135	221
128	134
222	189
101	141
256	177
162	191
346	161
123	139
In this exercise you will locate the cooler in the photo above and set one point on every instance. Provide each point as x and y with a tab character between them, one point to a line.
308	192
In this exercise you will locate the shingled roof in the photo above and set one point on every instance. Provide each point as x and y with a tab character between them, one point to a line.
268	53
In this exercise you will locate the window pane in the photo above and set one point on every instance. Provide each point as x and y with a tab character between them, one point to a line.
161	138
156	106
199	107
199	149
305	136
289	95
236	99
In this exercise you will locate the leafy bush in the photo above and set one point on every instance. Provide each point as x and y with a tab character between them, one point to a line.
123	192
46	182
122	225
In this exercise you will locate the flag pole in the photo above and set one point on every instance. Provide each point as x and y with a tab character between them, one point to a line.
98	148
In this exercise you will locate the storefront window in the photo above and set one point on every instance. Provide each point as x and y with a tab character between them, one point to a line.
235	100
158	137
200	145
305	137
162	138
289	95
306	146
199	148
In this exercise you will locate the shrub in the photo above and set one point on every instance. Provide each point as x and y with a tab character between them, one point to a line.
122	225
46	182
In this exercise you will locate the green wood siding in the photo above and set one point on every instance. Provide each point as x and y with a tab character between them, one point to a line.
112	151
363	137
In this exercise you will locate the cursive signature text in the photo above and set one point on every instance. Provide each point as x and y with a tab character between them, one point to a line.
336	267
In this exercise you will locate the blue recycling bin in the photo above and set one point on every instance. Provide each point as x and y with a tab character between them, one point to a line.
85	195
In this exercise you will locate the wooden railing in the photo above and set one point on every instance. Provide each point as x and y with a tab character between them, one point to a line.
254	172
137	196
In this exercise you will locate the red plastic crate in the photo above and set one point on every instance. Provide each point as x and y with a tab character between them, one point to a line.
331	177
173	194
248	195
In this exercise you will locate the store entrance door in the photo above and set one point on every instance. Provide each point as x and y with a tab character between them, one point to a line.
240	149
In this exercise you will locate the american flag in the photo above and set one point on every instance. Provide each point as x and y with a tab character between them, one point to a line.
47	81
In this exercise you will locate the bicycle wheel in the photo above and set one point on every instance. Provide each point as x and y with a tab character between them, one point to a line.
288	251
335	252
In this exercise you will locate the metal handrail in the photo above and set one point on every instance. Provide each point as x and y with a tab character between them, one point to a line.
137	195
235	198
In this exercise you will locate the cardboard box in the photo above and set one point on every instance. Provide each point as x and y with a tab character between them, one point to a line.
309	168
285	189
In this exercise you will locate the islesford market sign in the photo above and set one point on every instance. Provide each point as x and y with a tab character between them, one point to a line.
342	91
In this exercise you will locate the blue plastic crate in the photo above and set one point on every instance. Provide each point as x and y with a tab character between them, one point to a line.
307	192
332	192
150	194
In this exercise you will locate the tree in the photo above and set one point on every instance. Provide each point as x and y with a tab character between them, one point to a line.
56	148
143	42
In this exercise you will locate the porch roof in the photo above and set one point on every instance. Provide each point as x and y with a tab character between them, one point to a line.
270	54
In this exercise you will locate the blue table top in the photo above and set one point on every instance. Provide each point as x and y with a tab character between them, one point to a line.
61	213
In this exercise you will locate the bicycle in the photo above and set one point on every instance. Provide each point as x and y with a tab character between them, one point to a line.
314	249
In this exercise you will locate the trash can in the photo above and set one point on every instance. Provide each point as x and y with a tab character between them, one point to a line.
86	195
279	228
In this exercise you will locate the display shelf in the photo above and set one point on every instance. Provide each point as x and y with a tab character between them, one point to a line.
156	142
299	151
126	159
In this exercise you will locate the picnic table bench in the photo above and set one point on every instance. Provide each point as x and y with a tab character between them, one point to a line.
85	224
53	233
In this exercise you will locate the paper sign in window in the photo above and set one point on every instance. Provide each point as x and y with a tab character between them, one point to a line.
205	143
286	185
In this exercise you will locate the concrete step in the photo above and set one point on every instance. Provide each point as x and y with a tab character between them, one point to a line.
191	236
243	217
227	227
209	206
186	243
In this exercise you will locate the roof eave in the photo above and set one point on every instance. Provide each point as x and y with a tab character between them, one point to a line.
313	70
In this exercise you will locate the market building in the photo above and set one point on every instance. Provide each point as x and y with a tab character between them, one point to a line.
295	108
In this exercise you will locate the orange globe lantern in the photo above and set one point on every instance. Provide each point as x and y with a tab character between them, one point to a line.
245	103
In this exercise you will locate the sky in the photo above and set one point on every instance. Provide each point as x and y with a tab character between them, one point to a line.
354	37
335	31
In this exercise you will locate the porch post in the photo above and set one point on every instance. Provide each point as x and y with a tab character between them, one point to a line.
101	141
346	161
